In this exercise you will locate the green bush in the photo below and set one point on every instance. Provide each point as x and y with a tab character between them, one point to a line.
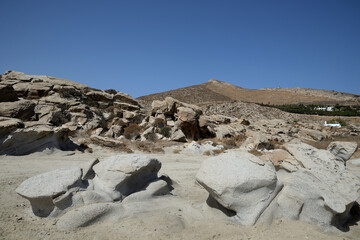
151	136
165	131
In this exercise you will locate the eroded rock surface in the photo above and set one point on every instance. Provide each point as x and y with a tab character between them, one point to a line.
80	199
240	182
59	103
317	187
121	175
42	189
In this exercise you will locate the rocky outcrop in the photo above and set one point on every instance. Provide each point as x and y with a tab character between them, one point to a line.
321	191
120	176
240	182
317	187
342	150
24	141
7	125
76	198
22	109
55	102
41	190
188	123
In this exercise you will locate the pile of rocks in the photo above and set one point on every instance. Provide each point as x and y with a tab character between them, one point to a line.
187	122
78	197
298	182
40	107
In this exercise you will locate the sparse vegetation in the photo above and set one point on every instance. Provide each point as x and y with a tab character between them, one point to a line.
207	153
157	150
312	109
255	152
338	120
233	142
151	136
124	148
176	151
142	146
132	131
218	151
165	131
269	145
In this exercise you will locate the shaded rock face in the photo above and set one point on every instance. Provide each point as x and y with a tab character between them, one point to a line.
7	94
79	197
24	141
22	109
317	187
54	102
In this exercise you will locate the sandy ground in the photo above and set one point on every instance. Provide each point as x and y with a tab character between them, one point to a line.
181	216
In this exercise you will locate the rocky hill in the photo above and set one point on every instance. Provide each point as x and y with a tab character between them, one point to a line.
215	91
39	112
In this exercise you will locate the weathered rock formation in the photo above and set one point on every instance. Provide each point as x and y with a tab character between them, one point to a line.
188	123
317	187
241	183
80	197
58	105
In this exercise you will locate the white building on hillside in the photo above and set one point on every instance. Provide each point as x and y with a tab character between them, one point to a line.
332	124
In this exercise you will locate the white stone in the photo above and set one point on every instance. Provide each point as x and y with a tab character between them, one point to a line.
239	183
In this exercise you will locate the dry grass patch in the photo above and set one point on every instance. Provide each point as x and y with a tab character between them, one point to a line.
255	152
157	150
218	151
233	142
207	153
143	146
176	151
124	148
132	131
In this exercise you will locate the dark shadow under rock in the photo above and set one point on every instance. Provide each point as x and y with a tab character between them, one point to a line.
35	139
211	202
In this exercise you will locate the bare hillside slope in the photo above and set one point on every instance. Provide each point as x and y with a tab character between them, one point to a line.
218	91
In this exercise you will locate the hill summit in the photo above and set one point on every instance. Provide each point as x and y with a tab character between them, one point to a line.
215	91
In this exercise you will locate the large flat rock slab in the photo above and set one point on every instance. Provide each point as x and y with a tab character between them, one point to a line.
41	189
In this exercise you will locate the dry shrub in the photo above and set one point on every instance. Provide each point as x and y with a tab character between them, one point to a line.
157	150
218	151
124	148
255	152
176	151
132	131
165	131
207	153
89	150
151	136
234	141
143	147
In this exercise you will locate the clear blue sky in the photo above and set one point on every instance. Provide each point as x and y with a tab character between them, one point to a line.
143	47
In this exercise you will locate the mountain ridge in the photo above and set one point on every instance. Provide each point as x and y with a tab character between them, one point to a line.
219	91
